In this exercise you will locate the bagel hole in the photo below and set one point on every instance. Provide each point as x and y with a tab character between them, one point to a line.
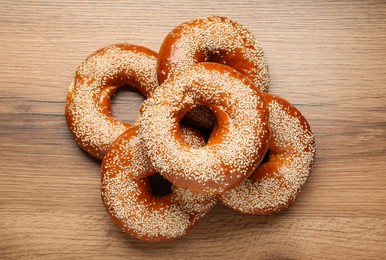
266	157
159	186
202	119
216	56
125	104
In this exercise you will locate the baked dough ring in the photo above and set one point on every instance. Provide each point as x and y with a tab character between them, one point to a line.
88	110
128	199
235	147
275	184
215	39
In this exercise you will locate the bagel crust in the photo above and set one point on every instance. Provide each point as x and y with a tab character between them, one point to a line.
275	184
129	201
88	109
235	147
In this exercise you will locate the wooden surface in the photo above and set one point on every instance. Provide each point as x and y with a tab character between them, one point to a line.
327	58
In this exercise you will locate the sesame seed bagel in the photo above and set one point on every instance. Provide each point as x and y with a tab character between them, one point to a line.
235	147
275	184
128	198
88	109
215	39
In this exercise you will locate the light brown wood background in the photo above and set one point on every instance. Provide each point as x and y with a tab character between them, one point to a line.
326	57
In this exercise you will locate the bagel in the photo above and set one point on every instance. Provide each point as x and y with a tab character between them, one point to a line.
132	204
88	109
275	184
235	147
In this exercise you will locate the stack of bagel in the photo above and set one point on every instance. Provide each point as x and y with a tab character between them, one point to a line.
208	130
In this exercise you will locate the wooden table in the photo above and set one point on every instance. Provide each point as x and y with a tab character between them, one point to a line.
327	58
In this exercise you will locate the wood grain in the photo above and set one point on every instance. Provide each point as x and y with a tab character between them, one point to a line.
326	57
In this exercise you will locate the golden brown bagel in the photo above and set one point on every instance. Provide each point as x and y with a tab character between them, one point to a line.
88	110
275	184
235	147
213	39
127	195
